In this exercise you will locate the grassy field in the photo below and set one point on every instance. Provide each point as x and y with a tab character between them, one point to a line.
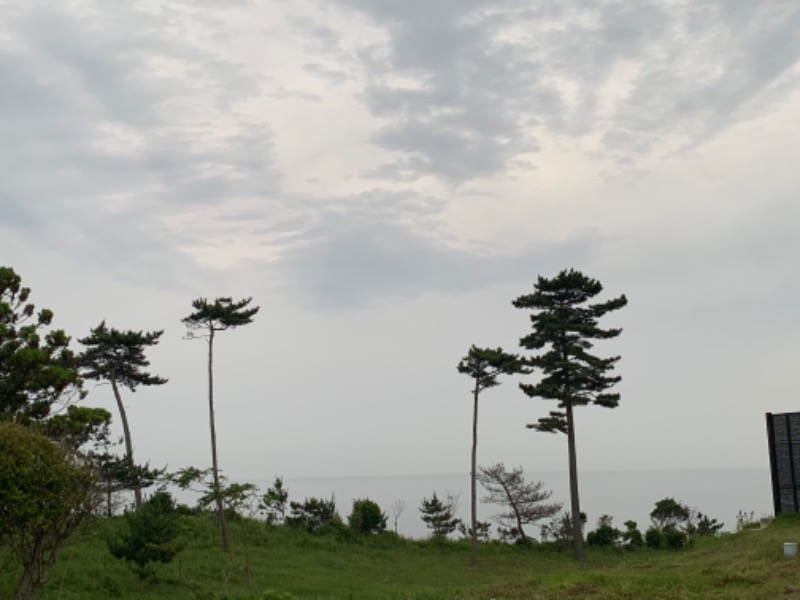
745	565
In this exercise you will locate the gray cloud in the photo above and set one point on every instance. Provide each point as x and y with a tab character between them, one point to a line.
492	75
111	122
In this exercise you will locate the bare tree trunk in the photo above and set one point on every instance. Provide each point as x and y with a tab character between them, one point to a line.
214	464
137	490
577	533
473	478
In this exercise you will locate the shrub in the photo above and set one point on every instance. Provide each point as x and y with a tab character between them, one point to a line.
440	516
653	538
674	538
315	515
366	517
150	536
632	537
605	534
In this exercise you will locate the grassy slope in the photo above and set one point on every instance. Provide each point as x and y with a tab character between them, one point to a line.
747	565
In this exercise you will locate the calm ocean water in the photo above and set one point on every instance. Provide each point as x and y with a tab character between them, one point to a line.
623	495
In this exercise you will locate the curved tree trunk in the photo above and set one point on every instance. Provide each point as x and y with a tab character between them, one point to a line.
137	490
577	533
473	478
214	464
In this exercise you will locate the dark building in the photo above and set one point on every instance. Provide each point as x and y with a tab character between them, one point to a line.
783	433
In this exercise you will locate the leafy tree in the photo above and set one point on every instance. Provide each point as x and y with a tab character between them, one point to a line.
525	501
119	358
315	515
37	368
483	365
605	535
78	426
150	536
207	319
274	502
669	513
366	517
439	516
46	494
564	325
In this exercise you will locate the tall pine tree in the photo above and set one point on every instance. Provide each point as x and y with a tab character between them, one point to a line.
483	365
564	327
207	319
118	357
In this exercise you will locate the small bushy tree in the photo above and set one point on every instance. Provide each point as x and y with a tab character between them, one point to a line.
148	536
366	517
439	515
605	535
315	515
274	501
632	537
46	494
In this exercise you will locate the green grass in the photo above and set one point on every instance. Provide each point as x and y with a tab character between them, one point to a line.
742	566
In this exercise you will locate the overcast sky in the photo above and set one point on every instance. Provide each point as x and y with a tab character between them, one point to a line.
384	178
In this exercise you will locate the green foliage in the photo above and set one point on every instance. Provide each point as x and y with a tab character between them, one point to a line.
274	502
37	368
669	513
219	315
314	515
485	364
482	531
674	538
605	535
149	536
366	517
654	538
565	326
439	516
78	426
287	561
632	537
119	356
706	525
46	494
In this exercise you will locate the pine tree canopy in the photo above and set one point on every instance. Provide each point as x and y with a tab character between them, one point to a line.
564	326
221	314
37	368
120	355
485	364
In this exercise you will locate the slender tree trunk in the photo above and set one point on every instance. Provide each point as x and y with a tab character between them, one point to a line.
473	482
214	463
577	533
137	490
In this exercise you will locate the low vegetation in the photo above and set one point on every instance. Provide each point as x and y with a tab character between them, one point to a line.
293	564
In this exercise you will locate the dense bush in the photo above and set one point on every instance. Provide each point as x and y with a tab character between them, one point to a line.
653	538
605	534
148	536
366	517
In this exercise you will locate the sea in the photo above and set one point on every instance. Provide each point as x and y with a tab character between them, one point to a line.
623	495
